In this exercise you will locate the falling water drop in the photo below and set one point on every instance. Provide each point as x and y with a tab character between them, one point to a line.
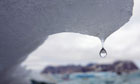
103	52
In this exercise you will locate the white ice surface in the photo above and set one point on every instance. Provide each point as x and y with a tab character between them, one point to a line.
25	24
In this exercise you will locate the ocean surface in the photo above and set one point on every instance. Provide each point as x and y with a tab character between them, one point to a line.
97	78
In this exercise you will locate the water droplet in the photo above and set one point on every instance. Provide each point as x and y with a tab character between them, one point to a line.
103	53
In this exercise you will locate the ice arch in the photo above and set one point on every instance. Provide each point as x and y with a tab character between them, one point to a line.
25	24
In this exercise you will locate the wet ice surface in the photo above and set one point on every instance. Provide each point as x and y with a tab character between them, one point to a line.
25	24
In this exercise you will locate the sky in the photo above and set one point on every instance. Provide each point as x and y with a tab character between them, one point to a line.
74	48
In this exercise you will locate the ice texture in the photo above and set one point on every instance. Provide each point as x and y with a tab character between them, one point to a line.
25	24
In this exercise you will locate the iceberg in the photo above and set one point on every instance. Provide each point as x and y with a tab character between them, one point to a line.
26	24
